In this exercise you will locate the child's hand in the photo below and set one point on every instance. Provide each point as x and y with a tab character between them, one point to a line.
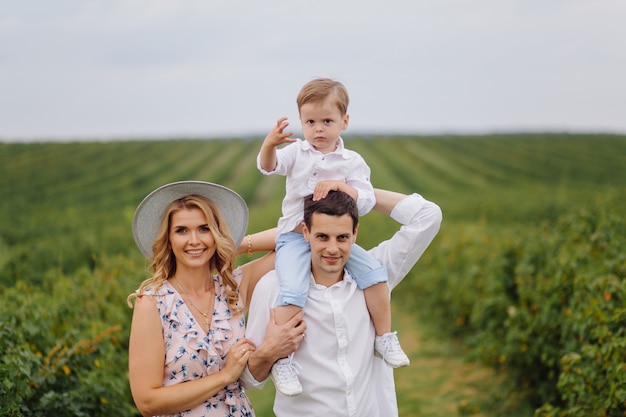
277	135
323	187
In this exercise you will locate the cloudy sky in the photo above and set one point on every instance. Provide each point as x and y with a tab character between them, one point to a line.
108	69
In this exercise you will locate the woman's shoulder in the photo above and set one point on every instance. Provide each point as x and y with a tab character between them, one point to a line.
163	296
161	290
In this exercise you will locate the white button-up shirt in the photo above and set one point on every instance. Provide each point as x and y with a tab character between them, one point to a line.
340	374
304	167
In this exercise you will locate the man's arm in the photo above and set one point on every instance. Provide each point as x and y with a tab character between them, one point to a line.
279	341
420	221
273	341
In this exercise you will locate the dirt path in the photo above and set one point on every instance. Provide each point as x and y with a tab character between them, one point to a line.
439	382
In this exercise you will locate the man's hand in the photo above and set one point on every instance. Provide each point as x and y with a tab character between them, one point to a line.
285	338
279	342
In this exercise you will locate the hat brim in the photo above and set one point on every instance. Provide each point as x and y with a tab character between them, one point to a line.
147	218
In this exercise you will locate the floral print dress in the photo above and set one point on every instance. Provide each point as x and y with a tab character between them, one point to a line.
191	354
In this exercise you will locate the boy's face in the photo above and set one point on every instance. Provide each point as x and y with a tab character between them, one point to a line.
322	124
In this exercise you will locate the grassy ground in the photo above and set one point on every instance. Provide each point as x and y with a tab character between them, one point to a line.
438	381
441	382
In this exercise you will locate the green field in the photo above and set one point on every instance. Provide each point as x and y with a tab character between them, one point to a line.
68	260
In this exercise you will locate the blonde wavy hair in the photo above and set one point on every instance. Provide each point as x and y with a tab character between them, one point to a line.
163	263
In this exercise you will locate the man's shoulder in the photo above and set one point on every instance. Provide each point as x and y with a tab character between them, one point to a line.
267	283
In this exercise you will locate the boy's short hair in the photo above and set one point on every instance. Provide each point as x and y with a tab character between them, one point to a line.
336	203
320	88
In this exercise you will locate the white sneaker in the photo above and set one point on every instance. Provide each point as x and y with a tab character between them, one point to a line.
285	375
388	347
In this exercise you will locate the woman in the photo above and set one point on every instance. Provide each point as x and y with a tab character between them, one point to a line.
187	348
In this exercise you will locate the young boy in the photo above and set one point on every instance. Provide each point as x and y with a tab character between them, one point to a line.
315	166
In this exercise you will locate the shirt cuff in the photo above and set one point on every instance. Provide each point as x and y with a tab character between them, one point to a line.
248	382
365	202
407	209
260	168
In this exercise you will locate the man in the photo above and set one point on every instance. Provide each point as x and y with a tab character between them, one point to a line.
340	374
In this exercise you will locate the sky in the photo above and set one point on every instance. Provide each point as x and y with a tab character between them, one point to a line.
133	69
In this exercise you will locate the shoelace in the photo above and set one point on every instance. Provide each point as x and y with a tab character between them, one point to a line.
288	371
392	345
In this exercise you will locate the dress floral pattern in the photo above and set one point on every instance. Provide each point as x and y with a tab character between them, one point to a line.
191	354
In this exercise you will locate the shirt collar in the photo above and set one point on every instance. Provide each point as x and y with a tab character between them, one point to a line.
347	280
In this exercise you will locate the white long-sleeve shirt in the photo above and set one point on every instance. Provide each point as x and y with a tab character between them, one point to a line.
304	167
340	374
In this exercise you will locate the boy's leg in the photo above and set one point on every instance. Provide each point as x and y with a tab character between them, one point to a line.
365	269
285	313
371	276
377	300
293	268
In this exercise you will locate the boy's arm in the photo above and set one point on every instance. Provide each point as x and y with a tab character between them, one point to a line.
359	179
323	187
364	197
277	136
357	185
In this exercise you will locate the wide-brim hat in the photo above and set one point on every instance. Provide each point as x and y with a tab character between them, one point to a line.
147	218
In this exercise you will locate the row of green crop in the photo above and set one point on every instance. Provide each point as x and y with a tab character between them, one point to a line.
64	343
545	303
62	203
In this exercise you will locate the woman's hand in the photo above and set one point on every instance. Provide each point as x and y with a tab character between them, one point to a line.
237	358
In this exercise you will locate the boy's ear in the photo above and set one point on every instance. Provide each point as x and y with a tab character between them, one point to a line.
346	119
